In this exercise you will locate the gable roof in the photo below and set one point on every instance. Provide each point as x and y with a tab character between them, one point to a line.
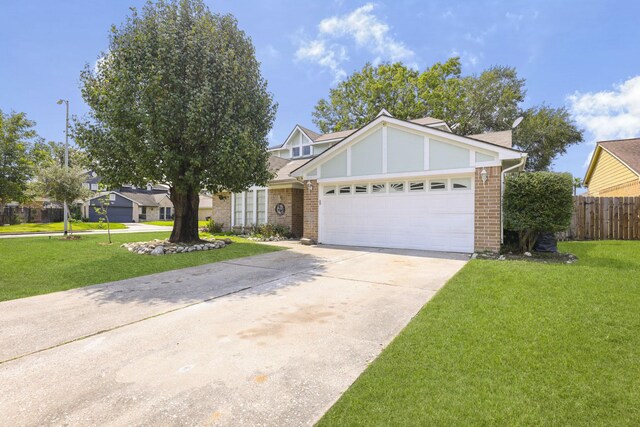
627	151
503	138
426	121
408	124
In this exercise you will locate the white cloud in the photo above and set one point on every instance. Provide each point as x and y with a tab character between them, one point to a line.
468	58
609	114
361	27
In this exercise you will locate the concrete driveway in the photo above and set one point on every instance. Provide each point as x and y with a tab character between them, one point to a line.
273	339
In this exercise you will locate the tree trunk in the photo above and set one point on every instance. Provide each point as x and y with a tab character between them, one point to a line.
185	224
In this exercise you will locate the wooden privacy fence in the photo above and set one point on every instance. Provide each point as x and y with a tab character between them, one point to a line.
605	218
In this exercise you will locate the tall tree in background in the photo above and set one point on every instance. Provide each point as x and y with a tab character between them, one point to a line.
178	99
487	102
44	153
17	137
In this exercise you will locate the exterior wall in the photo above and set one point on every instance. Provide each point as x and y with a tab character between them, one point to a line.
487	210
310	218
222	210
153	213
293	201
611	178
628	189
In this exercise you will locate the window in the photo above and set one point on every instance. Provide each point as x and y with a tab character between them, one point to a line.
295	152
161	213
85	185
345	189
112	197
359	189
416	186
306	150
378	188
396	187
461	183
329	191
438	185
167	213
94	187
249	207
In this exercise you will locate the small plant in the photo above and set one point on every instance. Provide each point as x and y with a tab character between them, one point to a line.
267	231
213	227
103	211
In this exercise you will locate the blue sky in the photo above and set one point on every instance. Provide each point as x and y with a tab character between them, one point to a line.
584	55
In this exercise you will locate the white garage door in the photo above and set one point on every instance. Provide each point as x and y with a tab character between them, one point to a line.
407	216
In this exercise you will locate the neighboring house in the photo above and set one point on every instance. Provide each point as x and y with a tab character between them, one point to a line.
614	170
130	204
205	208
392	183
92	182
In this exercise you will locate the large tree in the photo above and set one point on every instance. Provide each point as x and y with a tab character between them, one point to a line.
487	102
178	98
17	137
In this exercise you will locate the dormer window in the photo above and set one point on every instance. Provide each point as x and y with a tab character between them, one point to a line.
295	152
306	150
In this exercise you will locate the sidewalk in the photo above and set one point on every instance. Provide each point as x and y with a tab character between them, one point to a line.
132	227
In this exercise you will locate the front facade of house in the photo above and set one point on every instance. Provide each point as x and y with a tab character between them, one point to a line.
392	183
614	170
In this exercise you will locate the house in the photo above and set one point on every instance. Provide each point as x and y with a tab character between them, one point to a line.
130	204
614	170
392	183
205	207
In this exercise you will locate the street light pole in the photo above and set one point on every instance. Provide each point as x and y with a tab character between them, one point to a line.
66	160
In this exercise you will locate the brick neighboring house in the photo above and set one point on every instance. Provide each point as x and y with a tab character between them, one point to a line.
614	169
392	183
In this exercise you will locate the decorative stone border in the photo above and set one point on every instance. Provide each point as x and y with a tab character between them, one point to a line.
164	247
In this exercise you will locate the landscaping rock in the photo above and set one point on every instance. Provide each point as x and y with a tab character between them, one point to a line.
164	247
305	241
159	250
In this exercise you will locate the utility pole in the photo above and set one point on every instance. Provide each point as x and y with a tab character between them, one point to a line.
66	160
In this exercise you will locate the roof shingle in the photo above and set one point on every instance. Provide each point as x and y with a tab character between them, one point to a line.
627	150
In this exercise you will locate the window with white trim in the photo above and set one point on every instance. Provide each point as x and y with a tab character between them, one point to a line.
416	186
295	152
112	197
306	150
94	187
460	183
344	189
250	207
378	188
438	185
360	189
329	191
396	187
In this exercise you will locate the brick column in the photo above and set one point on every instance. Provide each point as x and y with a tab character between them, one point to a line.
487	210
310	217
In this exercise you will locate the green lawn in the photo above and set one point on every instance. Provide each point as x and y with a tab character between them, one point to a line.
39	265
170	223
52	227
514	343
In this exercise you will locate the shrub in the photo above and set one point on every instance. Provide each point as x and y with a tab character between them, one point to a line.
213	227
269	230
536	202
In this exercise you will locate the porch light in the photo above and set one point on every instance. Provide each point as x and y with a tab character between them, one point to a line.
484	175
309	186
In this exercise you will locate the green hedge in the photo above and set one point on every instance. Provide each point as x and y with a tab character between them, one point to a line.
536	202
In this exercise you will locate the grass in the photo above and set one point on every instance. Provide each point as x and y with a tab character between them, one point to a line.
514	343
170	223
39	265
52	227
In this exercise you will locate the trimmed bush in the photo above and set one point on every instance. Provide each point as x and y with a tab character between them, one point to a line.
536	202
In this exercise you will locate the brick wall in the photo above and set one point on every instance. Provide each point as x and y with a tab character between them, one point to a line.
487	210
310	228
222	210
293	201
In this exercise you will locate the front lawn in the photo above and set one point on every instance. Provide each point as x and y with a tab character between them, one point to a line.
170	223
39	265
53	227
514	343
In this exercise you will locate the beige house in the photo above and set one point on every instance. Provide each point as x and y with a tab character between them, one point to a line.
614	170
392	183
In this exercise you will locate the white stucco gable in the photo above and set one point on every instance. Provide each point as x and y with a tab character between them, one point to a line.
392	147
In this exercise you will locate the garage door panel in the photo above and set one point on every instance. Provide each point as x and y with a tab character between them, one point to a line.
426	220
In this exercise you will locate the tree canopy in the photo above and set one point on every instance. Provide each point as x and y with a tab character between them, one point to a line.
178	98
17	136
487	102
